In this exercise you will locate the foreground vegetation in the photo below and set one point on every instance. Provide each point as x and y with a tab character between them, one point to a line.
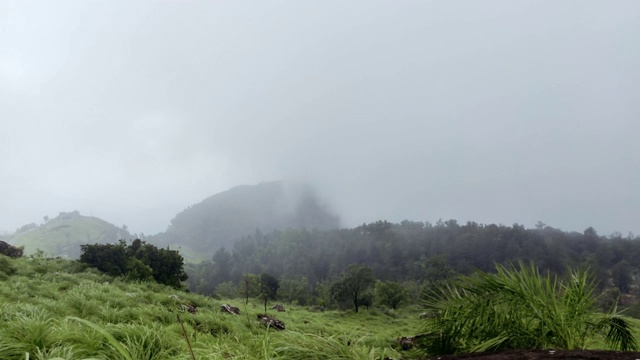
518	308
59	309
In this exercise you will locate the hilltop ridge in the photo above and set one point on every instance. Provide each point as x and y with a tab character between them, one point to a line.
63	235
221	219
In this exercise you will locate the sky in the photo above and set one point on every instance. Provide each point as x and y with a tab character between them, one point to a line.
488	111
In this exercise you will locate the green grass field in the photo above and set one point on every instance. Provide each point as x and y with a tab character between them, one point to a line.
53	309
56	309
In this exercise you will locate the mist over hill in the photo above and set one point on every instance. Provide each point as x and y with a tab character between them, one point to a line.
221	219
199	230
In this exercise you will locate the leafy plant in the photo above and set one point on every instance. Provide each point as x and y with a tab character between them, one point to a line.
518	308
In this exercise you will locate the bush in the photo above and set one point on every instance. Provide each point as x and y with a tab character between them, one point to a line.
517	308
137	261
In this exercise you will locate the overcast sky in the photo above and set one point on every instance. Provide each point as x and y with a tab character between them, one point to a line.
491	111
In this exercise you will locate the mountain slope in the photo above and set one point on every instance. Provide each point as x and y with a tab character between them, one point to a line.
63	235
222	218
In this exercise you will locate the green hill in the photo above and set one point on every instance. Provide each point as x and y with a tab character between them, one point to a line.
56	309
227	216
63	235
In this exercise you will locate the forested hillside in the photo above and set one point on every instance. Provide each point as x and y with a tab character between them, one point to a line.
418	252
227	216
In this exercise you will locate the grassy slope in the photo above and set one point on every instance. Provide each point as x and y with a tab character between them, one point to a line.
63	235
38	299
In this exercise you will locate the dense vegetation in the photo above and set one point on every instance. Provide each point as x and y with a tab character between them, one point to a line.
60	309
419	255
55	308
518	308
136	261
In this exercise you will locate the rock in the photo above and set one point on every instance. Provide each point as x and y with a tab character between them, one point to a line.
271	322
278	307
317	308
191	308
230	309
407	342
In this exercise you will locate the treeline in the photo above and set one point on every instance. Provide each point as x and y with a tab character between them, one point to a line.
416	252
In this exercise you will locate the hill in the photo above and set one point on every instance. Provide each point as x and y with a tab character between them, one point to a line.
63	235
57	309
221	219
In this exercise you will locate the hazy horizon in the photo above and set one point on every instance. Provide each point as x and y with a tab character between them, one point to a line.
493	111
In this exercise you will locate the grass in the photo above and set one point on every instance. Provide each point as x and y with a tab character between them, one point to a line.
53	309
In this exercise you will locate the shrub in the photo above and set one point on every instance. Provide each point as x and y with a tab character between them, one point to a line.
517	308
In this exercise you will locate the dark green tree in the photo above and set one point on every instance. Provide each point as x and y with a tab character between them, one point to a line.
353	283
268	288
621	274
249	286
391	294
294	290
138	261
111	259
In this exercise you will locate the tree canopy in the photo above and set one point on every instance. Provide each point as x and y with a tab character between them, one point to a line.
138	261
353	284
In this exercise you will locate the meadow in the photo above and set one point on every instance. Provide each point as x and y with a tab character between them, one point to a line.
59	309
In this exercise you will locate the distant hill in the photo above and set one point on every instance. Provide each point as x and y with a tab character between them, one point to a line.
225	217
63	235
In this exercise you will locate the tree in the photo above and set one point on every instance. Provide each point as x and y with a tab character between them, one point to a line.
294	290
621	274
138	261
353	283
268	288
439	271
226	290
390	293
249	286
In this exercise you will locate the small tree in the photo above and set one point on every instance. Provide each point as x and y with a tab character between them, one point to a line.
249	286
353	283
268	288
294	290
621	274
391	294
226	290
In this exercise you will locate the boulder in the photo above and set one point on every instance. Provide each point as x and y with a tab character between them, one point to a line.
230	309
270	322
407	342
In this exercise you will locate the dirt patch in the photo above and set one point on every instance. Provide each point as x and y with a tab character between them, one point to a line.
543	355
